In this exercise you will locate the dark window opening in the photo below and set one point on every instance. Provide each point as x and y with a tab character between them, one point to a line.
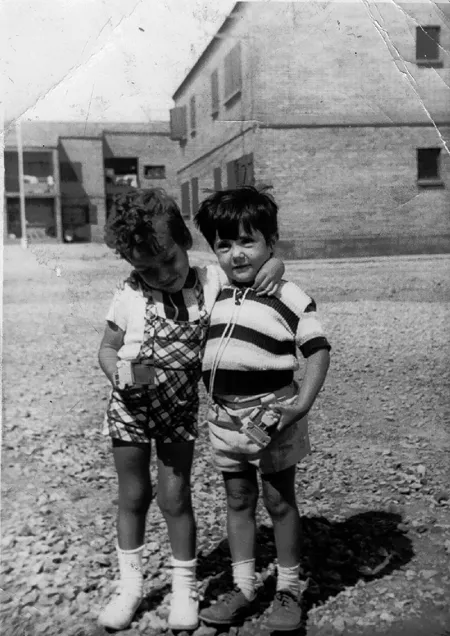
217	174
215	94
233	73
155	172
76	221
240	171
427	46
178	123
185	200
38	175
193	116
121	171
194	194
428	172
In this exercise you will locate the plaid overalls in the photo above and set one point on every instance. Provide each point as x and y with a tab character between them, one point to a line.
167	411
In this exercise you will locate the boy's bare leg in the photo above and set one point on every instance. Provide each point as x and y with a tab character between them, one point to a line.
132	465
242	497
135	492
279	499
174	500
174	496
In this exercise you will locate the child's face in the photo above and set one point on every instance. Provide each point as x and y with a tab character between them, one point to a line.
242	257
166	271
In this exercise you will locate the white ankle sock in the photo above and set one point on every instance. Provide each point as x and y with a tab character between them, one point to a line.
183	574
130	565
244	577
288	579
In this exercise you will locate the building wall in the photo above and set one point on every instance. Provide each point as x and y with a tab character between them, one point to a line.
233	117
309	71
78	193
355	184
86	154
338	62
150	150
203	169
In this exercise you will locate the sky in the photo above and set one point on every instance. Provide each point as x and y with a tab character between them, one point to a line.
101	60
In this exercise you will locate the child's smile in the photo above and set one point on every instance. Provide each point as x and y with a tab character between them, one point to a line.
242	257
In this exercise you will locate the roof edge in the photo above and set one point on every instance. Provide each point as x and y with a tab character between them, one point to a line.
208	49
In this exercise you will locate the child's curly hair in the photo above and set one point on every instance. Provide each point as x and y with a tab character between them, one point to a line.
130	223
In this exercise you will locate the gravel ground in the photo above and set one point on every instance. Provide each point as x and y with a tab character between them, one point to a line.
374	494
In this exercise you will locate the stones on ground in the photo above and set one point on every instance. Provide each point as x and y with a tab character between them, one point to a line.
442	496
428	574
339	625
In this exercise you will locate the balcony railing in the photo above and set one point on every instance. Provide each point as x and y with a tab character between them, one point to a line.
32	185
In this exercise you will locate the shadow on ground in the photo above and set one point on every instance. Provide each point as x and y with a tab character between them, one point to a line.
336	555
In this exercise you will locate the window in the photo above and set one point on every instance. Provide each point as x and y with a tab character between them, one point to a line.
155	172
217	174
215	94
185	200
193	116
121	171
427	46
194	193
69	172
428	173
233	73
240	171
178	123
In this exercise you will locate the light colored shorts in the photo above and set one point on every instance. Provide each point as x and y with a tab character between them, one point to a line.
233	451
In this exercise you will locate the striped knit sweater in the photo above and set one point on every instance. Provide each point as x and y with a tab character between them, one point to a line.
251	345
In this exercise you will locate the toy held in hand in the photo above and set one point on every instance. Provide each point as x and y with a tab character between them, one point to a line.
258	424
133	374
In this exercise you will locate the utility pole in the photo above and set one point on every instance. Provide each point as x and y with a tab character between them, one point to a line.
23	219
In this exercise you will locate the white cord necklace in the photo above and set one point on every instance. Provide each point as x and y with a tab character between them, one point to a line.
225	338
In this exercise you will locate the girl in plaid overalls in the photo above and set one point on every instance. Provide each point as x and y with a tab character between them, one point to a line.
151	352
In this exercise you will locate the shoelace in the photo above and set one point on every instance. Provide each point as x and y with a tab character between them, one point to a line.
228	596
285	597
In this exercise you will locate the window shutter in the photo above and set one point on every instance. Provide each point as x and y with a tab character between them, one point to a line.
233	71
217	179
185	200
193	114
178	123
236	68
243	171
228	75
194	192
427	43
231	174
215	92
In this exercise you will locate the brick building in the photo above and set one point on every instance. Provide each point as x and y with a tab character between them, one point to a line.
72	170
344	108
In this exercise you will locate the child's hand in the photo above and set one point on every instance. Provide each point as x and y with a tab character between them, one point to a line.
289	413
269	277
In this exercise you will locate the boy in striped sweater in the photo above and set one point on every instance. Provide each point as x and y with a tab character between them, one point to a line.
257	414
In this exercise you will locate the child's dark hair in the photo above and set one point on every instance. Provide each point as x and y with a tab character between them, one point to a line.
222	213
130	223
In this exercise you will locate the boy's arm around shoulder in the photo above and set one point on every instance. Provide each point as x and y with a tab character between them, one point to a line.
269	277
